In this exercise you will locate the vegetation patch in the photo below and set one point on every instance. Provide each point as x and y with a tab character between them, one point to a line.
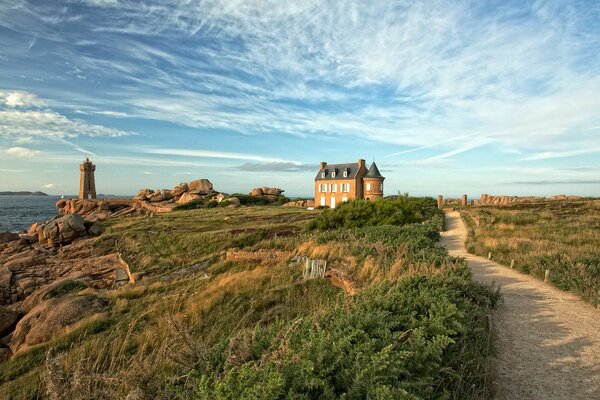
65	287
561	236
401	210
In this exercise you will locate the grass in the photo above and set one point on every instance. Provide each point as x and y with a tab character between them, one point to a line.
255	329
560	236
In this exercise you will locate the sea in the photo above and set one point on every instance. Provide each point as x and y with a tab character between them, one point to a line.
18	213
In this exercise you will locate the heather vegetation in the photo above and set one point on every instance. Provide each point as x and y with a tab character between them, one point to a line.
396	317
559	236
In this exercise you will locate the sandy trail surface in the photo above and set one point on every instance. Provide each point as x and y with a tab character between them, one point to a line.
548	341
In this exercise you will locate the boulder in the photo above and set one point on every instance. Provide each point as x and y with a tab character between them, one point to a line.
267	191
143	194
6	237
32	231
50	318
63	230
234	201
200	186
158	199
61	203
256	192
167	194
187	197
219	198
179	189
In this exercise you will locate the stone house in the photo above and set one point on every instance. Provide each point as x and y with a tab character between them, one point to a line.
336	183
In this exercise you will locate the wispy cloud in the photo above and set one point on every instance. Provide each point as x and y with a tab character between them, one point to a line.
277	167
21	152
559	154
559	182
212	154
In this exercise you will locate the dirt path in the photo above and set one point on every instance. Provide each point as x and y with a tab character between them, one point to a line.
548	340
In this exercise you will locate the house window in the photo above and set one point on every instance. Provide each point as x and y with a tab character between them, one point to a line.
345	173
323	200
381	187
368	186
322	174
345	198
333	174
323	187
345	188
333	187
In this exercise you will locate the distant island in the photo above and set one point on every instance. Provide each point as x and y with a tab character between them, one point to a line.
23	194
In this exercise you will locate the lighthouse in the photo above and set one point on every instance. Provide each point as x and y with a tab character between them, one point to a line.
87	184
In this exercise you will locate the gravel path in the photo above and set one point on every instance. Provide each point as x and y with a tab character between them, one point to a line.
548	340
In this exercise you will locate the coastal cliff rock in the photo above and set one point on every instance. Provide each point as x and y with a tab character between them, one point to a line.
50	318
6	237
62	230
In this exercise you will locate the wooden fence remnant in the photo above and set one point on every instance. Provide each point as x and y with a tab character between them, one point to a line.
512	264
547	276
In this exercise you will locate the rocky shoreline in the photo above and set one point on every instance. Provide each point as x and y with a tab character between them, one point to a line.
62	255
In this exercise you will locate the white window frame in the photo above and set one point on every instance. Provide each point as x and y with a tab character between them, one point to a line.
333	174
345	198
332	204
381	187
345	173
322	174
345	188
333	188
323	188
368	186
323	201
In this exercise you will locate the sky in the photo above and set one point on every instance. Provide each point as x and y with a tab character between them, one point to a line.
448	97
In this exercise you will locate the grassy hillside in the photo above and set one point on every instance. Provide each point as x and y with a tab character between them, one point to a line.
223	312
562	236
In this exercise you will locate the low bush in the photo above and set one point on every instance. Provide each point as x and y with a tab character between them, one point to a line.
359	213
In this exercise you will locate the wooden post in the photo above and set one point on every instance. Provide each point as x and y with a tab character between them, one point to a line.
547	276
512	264
490	255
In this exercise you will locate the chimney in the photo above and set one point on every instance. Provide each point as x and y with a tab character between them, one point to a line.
361	163
323	164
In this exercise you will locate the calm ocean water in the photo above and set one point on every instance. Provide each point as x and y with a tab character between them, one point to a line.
17	213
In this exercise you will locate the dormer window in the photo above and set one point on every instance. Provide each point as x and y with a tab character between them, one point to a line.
345	173
333	174
322	174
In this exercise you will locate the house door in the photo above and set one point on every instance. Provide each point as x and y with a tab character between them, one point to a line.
332	202
323	200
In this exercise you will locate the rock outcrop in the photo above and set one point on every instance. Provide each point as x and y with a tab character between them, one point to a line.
6	237
303	203
266	191
200	186
50	318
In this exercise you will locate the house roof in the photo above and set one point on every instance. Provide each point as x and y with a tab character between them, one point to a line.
352	169
374	172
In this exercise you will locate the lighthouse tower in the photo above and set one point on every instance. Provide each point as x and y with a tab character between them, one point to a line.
87	184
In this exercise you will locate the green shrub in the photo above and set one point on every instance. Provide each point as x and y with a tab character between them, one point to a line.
359	213
423	338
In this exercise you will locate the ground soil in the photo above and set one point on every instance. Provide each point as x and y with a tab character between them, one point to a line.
547	340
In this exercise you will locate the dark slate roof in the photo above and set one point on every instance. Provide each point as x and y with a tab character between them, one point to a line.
339	171
374	172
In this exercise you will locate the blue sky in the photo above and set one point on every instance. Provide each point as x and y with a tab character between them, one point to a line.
449	97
